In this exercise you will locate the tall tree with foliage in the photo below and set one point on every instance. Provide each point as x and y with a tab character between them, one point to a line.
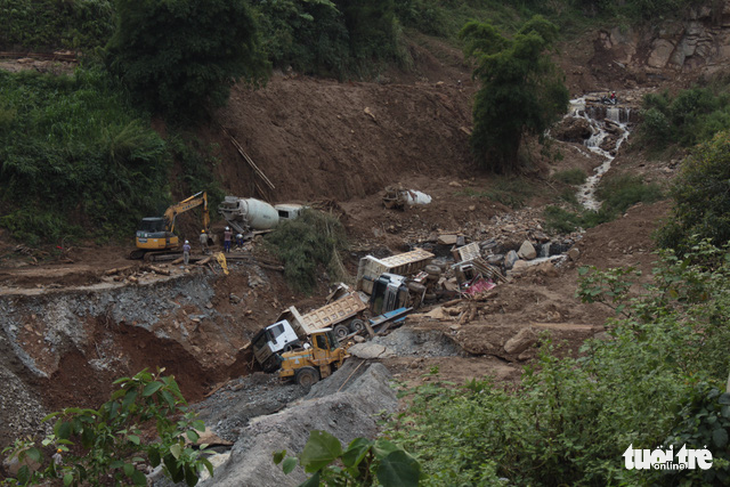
180	55
522	91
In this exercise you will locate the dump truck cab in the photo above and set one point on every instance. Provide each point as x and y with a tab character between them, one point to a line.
318	362
273	340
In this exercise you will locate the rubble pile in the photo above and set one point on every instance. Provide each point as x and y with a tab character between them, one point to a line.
350	411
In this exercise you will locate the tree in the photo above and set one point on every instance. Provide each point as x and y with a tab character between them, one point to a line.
179	55
370	27
522	90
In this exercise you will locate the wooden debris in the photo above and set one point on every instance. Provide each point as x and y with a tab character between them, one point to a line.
118	270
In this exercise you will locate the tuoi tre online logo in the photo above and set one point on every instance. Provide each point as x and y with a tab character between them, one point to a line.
658	459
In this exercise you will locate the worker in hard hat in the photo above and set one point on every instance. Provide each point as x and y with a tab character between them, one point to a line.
227	235
204	241
186	252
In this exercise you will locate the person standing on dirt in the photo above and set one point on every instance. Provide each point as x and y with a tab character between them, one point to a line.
227	239
204	242
186	252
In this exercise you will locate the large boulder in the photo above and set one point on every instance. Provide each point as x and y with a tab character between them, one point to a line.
573	129
527	251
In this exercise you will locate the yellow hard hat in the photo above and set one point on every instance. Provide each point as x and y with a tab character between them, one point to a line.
202	231
59	451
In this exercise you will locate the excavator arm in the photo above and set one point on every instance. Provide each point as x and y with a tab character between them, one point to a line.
188	204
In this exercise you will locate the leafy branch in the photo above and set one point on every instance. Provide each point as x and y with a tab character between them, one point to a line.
359	464
106	446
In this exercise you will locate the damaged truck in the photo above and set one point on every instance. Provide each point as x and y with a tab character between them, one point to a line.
292	329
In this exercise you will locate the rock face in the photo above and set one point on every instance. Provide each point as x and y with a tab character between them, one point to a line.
347	414
700	40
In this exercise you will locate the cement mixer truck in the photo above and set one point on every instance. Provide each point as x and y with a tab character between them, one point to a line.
247	214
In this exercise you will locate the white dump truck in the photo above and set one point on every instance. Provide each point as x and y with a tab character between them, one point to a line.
371	268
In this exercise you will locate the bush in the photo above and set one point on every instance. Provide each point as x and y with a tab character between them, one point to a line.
701	195
618	193
307	243
690	117
50	24
574	177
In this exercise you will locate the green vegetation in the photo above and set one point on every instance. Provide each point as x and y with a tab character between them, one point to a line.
509	191
701	195
363	461
522	91
655	380
636	10
102	446
691	117
52	24
196	160
75	157
616	194
573	177
307	243
180	56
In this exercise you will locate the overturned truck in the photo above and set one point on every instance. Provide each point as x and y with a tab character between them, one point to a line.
292	329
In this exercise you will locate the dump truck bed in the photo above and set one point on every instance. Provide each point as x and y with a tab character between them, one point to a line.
405	264
329	315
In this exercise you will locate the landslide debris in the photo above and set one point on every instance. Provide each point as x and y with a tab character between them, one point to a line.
350	411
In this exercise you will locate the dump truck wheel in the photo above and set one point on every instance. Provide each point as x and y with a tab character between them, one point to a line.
341	331
440	263
307	376
357	325
416	287
432	270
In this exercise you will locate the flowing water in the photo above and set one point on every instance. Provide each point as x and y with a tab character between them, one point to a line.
617	117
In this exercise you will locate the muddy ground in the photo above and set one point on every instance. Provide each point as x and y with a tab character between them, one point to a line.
70	325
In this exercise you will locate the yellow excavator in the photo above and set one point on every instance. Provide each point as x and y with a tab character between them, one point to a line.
156	235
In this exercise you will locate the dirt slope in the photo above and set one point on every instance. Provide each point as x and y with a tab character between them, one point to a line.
323	139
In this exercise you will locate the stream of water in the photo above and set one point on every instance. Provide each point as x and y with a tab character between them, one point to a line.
614	115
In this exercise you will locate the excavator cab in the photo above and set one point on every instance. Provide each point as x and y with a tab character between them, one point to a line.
154	235
158	233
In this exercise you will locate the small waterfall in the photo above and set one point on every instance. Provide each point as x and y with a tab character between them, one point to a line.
615	116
